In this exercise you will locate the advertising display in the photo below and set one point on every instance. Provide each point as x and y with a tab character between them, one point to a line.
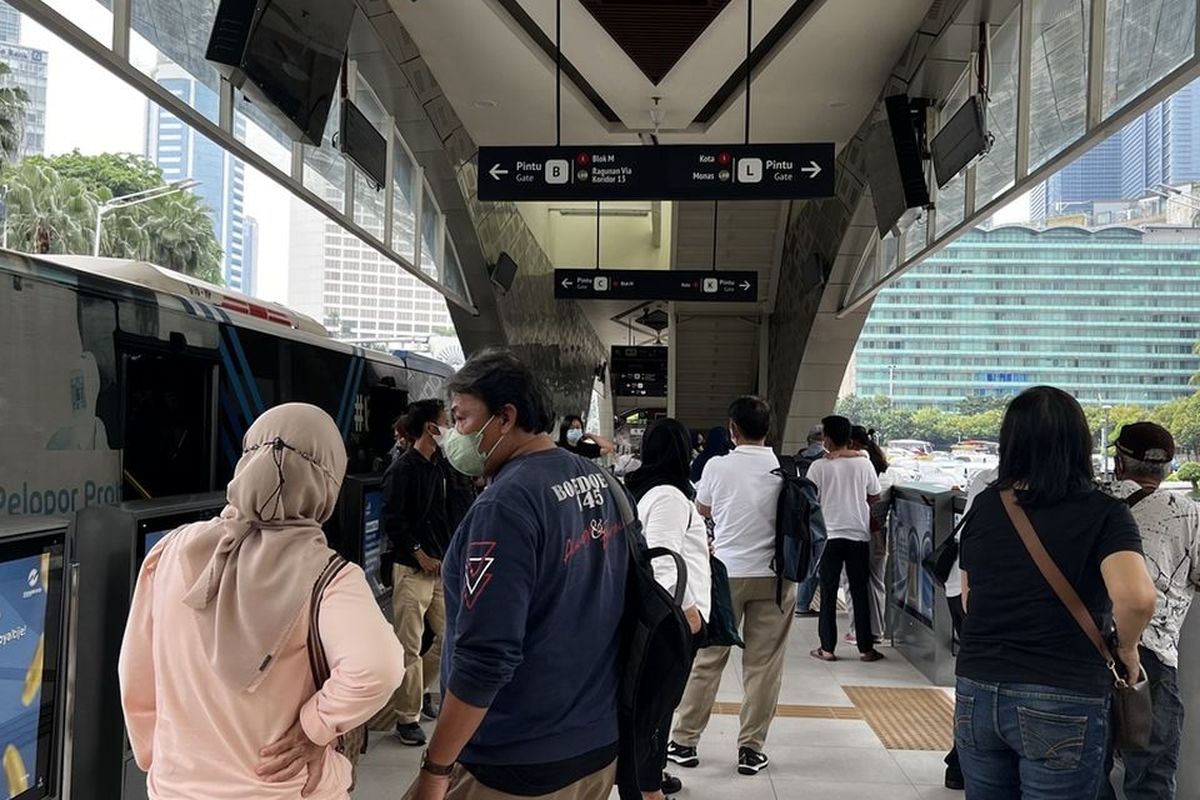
30	605
372	510
911	534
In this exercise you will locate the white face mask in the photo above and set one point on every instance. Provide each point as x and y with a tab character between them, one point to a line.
440	437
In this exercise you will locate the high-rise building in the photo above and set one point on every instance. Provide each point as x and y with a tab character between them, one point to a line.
249	277
28	70
182	153
1110	315
1160	146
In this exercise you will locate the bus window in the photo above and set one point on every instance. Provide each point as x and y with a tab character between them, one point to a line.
168	413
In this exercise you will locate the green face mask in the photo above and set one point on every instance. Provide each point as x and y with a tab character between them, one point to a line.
462	450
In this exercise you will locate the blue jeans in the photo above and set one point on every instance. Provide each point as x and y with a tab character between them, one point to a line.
1018	740
806	592
1150	774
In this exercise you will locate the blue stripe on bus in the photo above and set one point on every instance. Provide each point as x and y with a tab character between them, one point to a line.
231	374
247	375
188	307
341	413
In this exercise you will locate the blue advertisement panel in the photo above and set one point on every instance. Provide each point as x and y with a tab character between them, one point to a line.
24	592
373	539
911	534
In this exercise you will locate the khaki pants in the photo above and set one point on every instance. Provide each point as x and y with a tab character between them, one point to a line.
765	630
597	786
415	596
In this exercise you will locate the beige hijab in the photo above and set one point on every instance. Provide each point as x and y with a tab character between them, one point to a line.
253	568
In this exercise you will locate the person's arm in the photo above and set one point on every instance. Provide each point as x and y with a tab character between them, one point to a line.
704	489
366	661
606	446
489	640
1123	568
665	523
966	589
874	489
136	666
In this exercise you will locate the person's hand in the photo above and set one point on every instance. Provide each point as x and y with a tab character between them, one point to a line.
693	617
430	566
290	755
1129	658
428	787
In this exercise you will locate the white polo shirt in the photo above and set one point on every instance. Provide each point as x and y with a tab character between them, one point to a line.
744	497
844	484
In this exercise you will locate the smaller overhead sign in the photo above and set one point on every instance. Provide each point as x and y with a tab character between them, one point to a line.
662	172
639	371
657	284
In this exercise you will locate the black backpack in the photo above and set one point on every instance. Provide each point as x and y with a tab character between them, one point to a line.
799	529
656	642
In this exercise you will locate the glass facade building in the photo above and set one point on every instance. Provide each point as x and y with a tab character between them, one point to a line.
1110	315
28	70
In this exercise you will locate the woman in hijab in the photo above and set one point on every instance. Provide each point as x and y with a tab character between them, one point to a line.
216	686
717	443
664	495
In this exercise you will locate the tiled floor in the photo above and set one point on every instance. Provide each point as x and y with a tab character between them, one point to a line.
823	758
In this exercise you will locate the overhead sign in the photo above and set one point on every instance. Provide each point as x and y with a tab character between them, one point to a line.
661	172
639	371
656	284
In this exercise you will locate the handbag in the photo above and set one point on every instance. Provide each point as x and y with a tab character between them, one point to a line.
1132	713
940	562
722	629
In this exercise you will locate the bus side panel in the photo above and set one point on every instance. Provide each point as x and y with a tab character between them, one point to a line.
57	455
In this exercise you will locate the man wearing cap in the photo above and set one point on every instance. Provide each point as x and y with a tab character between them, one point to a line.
1170	528
806	594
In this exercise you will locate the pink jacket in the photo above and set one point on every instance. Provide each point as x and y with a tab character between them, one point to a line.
198	739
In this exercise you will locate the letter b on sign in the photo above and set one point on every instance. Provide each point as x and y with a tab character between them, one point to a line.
558	171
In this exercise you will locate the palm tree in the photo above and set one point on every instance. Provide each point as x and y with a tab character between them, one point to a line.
47	214
181	236
13	102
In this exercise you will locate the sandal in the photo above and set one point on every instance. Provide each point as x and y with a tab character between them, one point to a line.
821	655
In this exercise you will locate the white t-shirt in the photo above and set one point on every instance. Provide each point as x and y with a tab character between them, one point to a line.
980	482
844	484
671	520
744	497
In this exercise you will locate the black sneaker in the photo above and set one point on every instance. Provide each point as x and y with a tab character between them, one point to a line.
751	761
428	710
683	756
671	784
411	734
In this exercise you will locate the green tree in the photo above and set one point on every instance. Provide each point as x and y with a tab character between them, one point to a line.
47	214
969	406
117	173
1182	418
13	104
1190	472
181	237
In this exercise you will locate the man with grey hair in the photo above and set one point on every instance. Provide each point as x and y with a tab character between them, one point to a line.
1170	528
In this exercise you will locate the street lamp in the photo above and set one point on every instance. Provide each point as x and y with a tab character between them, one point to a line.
136	198
1104	441
892	382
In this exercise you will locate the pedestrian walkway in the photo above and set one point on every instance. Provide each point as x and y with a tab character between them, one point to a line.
820	744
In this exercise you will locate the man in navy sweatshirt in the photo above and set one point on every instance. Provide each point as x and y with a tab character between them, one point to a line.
535	586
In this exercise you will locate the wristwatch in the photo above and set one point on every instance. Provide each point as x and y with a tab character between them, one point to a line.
437	770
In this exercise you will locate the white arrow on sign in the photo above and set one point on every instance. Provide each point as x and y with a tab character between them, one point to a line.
496	172
566	284
813	171
745	286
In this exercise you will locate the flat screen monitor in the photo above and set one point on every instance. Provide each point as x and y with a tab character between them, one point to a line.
960	141
31	602
373	543
152	529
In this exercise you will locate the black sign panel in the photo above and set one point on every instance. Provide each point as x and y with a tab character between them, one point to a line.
639	371
663	172
656	284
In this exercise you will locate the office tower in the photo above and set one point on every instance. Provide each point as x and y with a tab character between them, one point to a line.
29	71
182	153
1109	315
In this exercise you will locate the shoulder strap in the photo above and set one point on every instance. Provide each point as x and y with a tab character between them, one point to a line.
624	507
1053	575
1138	496
317	661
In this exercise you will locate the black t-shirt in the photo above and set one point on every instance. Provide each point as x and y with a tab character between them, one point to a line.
1016	629
585	449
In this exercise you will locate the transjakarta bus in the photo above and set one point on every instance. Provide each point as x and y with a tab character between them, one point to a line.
120	380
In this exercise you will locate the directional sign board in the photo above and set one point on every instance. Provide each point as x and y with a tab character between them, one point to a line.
639	371
656	284
662	172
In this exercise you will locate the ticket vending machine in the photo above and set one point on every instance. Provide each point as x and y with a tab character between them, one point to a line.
33	623
359	534
109	544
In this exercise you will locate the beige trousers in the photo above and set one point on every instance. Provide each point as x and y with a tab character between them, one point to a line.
597	786
765	630
416	595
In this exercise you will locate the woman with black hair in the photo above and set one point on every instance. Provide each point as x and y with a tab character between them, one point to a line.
571	436
1033	699
716	444
664	495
